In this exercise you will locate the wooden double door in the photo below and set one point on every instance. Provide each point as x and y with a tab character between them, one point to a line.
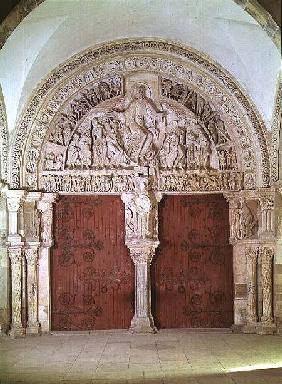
192	272
92	275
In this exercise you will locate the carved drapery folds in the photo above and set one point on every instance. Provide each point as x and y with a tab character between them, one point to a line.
267	228
141	237
242	217
184	87
108	128
45	206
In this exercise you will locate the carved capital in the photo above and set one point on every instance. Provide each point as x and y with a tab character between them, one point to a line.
46	201
15	255
14	199
267	255
267	203
252	254
31	255
142	252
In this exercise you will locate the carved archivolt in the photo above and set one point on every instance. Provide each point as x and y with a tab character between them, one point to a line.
3	140
155	105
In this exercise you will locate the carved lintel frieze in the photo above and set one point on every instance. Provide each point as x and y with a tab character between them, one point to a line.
15	255
267	258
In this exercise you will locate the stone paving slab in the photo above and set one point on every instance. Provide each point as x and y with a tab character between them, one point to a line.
169	357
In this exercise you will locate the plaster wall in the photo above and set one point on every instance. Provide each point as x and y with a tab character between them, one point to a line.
58	29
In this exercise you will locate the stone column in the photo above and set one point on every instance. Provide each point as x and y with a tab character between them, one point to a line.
15	255
31	255
142	256
141	237
267	283
251	256
15	244
266	325
45	206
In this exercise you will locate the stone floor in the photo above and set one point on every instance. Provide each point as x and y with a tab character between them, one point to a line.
169	357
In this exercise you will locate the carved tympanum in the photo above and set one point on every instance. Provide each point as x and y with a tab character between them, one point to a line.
110	129
138	130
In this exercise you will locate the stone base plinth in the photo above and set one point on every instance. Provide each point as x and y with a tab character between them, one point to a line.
33	329
249	328
266	328
16	332
237	328
142	325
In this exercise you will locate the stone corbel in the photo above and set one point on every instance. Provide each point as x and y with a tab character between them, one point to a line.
31	255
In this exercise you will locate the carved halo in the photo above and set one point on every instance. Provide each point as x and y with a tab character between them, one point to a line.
189	72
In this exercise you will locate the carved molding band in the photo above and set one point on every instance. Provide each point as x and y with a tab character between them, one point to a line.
206	148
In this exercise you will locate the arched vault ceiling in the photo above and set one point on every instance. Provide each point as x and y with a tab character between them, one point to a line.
55	30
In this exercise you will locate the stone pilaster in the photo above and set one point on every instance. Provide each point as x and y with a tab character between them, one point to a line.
15	244
31	255
251	318
45	206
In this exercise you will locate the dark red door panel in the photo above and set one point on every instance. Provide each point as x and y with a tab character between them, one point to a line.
91	270
192	279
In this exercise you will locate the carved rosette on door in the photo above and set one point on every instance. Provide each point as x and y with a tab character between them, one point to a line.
92	274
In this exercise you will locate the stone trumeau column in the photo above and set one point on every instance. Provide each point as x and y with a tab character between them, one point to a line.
45	206
15	246
141	237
